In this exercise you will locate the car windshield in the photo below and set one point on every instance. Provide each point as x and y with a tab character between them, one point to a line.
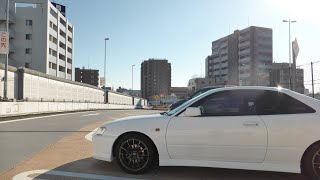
186	104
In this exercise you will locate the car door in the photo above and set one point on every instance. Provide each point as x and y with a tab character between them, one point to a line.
227	130
290	126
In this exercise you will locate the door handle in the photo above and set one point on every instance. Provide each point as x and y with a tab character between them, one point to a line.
251	124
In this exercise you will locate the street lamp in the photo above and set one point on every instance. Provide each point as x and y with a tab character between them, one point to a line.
105	66
132	77
289	21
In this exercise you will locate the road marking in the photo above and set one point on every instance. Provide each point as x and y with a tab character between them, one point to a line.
24	175
39	117
96	114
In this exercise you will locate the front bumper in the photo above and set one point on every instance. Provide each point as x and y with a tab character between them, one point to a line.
102	147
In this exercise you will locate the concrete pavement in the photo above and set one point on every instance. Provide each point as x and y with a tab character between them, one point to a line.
70	157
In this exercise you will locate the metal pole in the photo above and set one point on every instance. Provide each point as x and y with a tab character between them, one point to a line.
5	89
104	71
290	85
312	79
132	77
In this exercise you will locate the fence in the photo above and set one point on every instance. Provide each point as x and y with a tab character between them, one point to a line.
311	72
33	86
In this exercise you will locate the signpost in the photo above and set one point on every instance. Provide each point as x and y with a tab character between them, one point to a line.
4	42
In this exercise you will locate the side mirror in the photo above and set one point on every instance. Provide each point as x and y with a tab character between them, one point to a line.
192	112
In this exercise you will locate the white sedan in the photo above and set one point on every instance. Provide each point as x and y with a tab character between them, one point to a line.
257	128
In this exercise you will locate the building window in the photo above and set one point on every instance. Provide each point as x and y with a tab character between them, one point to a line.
62	69
28	22
28	51
52	65
70	61
70	39
28	36
27	65
69	71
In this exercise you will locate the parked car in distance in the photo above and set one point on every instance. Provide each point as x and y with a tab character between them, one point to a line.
256	128
195	94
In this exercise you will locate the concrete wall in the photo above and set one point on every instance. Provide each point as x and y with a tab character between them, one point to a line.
12	82
33	86
37	88
24	108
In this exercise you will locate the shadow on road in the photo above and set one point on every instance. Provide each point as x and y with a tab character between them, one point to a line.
112	171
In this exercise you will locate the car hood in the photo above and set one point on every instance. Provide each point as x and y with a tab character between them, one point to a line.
135	120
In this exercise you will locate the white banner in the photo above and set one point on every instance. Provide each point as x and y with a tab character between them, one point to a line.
4	42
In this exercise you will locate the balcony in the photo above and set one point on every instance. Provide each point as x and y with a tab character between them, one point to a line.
69	55
69	66
245	75
246	67
244	38
62	74
53	59
246	43
225	51
53	45
62	63
247	51
52	72
69	76
53	33
69	44
62	39
245	60
62	51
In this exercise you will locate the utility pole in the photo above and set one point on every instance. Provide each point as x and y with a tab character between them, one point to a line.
290	79
5	89
312	80
105	67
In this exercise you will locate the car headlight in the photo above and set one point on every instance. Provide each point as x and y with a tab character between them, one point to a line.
100	130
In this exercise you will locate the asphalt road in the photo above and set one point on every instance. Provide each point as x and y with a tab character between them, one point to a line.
21	139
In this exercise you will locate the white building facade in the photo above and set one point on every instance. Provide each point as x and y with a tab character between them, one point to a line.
41	38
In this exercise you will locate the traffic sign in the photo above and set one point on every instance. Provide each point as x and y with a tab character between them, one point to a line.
4	42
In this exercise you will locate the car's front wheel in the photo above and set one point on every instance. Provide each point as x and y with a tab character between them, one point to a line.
311	162
135	153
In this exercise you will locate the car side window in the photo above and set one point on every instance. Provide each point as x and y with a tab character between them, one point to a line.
227	103
272	102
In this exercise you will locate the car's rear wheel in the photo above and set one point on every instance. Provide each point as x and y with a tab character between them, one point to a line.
311	162
135	153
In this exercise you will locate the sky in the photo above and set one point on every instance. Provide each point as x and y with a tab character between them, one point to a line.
181	31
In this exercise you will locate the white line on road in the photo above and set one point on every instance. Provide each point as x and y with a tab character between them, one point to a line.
24	175
96	114
39	117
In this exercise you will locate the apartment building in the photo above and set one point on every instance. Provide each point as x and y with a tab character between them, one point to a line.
281	77
242	58
88	76
155	78
41	37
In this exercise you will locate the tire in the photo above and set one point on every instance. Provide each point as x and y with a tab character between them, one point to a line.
310	165
135	153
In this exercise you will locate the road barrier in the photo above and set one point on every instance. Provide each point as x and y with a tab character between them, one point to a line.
26	85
